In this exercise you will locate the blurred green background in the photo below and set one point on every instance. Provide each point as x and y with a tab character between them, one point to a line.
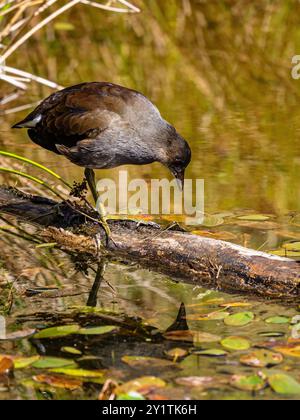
220	71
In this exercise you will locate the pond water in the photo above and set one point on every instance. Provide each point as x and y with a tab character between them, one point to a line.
221	73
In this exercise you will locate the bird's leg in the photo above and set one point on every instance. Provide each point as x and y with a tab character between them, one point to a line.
90	177
92	300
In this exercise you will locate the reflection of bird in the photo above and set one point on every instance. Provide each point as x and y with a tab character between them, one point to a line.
101	125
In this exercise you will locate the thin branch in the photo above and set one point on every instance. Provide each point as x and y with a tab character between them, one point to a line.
9	98
131	9
17	6
30	76
12	81
36	28
20	108
130	6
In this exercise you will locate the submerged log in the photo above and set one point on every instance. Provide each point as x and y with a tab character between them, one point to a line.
194	259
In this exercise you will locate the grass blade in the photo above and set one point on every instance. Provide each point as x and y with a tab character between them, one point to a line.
37	165
32	178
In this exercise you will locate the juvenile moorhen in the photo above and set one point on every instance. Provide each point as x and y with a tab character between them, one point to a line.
101	125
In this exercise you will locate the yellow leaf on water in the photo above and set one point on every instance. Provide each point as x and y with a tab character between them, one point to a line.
58	381
143	385
290	350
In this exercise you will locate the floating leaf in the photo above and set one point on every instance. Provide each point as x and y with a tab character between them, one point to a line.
61	331
6	366
239	320
254	218
58	382
80	373
131	396
211	353
206	300
97	330
213	316
223	236
285	253
143	385
278	320
284	384
196	337
143	361
292	246
212	221
202	382
24	362
52	362
71	350
248	383
236	305
236	343
289	350
261	359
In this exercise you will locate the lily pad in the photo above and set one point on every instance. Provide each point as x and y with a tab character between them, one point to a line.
24	362
248	383
143	361
58	382
292	246
79	373
278	320
261	359
196	337
254	217
131	396
6	366
143	385
284	384
211	353
213	316
97	330
71	350
239	320
236	305
52	362
289	350
212	220
202	382
281	252
236	343
55	332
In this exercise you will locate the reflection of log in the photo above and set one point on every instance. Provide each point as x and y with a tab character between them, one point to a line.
194	259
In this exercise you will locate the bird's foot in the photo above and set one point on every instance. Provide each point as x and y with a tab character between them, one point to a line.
108	235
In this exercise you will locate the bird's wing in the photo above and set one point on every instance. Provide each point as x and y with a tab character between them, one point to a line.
77	113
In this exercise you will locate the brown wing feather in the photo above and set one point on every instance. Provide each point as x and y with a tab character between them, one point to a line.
78	113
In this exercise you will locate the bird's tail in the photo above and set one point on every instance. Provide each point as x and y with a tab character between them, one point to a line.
28	122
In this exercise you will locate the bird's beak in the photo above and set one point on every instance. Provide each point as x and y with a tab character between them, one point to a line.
179	176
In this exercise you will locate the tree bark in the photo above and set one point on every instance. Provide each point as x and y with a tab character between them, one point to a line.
194	259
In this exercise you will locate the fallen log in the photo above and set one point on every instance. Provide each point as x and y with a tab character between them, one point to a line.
194	259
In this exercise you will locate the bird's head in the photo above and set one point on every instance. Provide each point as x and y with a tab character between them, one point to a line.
177	155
